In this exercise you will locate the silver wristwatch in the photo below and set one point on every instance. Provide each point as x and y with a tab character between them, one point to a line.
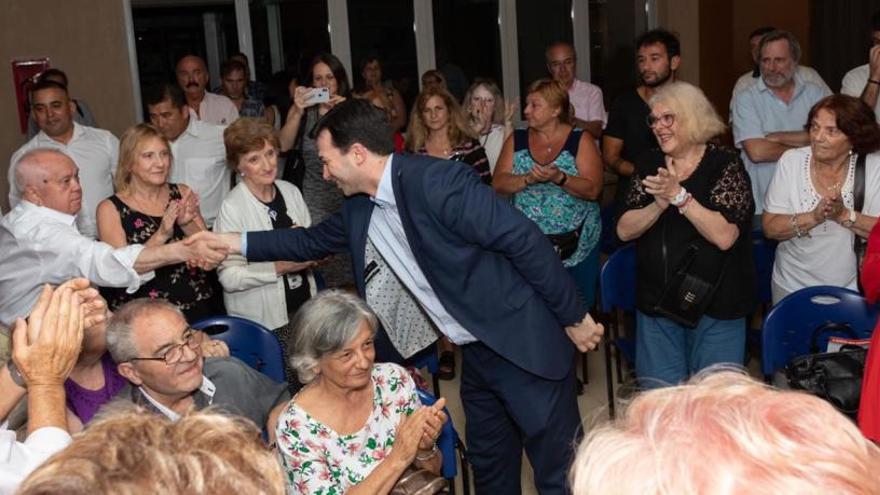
15	374
849	222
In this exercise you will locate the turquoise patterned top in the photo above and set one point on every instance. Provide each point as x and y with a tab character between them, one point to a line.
548	205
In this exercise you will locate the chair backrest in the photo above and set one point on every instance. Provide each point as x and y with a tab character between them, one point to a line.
617	280
789	326
250	342
447	440
763	254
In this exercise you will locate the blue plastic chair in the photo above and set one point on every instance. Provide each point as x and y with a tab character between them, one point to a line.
617	282
449	443
250	342
789	326
427	358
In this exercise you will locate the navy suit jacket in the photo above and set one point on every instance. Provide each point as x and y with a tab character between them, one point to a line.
491	267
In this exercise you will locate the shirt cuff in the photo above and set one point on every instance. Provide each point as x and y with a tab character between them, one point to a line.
127	256
244	244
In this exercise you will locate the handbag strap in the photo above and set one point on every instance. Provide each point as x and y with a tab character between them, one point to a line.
830	327
859	243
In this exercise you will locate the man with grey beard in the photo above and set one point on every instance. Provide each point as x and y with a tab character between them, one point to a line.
769	117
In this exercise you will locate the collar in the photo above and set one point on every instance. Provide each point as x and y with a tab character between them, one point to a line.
798	84
207	388
385	192
78	131
193	127
44	212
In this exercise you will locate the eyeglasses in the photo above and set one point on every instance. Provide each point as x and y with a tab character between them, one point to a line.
665	120
174	354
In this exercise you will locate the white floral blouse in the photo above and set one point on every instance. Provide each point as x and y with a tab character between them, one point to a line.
319	461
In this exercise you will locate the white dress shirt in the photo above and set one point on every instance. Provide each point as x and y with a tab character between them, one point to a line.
207	387
387	234
40	245
217	109
95	152
200	163
18	459
587	101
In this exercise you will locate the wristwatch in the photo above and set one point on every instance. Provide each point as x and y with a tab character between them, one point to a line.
849	222
680	197
15	374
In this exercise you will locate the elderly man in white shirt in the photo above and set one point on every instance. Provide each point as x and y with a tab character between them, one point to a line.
45	351
192	76
94	151
196	146
40	242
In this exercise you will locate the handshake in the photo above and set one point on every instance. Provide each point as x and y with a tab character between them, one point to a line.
204	250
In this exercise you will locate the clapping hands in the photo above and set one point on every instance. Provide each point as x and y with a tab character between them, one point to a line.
188	209
664	186
419	431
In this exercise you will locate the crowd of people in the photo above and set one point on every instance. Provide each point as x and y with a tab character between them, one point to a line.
364	236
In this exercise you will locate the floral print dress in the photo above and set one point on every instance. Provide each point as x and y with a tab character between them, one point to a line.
319	461
551	207
190	289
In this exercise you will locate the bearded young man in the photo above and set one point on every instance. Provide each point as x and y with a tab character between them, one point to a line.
627	134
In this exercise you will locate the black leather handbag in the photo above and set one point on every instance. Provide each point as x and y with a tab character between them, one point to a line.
833	376
566	244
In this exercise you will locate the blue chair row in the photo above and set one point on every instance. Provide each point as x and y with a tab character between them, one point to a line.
617	282
249	341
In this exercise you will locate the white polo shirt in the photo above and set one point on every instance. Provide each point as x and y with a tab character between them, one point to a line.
217	109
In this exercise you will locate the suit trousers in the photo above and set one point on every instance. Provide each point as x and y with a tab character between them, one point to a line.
507	409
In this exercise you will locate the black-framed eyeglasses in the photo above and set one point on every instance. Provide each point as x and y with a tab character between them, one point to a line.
175	353
665	120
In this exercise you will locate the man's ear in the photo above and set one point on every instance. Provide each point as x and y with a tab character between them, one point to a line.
32	195
72	107
358	153
674	62
130	374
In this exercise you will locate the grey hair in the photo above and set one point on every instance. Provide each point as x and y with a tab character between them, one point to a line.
27	167
120	342
793	46
324	325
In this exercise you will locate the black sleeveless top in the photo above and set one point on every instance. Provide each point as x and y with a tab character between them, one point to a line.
188	288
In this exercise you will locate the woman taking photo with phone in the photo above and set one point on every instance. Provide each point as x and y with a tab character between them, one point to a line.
322	197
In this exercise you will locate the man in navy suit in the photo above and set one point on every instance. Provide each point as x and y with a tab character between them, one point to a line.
484	274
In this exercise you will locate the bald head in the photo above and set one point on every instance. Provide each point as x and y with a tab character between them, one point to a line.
192	76
49	178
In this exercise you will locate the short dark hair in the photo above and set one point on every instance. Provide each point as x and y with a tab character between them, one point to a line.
165	91
357	121
42	84
564	43
231	66
854	118
46	74
875	21
662	36
342	85
761	31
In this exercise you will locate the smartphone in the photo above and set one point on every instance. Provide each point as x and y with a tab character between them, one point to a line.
317	95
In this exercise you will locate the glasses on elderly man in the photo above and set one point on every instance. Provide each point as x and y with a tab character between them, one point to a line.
665	120
175	353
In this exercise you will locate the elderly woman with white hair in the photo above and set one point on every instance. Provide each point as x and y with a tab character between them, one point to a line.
356	425
726	433
689	210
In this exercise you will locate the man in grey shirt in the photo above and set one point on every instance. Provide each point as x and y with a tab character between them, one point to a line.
162	358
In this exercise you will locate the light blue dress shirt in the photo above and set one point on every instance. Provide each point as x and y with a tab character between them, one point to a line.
757	111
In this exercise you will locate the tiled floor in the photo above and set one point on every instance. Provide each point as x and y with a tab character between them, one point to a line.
593	404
